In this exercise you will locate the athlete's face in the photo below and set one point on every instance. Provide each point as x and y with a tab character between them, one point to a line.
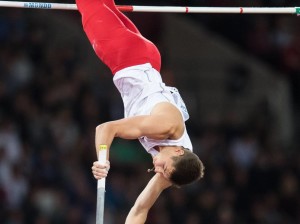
163	162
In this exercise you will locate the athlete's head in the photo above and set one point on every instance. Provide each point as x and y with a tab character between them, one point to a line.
188	168
180	166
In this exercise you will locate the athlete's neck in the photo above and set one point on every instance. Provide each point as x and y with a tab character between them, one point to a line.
161	148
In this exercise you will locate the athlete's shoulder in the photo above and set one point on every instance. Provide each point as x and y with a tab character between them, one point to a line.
165	108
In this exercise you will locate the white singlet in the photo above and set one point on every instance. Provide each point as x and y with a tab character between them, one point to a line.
141	88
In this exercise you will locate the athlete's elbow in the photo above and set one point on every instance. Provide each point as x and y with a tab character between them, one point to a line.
100	127
107	126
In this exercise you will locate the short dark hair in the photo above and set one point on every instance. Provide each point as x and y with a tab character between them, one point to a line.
188	168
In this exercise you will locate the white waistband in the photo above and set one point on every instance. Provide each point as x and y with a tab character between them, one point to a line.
124	72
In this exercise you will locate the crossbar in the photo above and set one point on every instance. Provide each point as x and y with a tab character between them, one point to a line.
161	9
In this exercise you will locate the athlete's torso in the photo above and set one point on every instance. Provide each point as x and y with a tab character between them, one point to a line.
141	88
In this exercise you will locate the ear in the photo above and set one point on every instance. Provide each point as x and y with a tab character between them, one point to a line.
179	151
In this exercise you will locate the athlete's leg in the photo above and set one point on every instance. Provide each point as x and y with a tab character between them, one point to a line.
127	22
102	27
114	43
98	20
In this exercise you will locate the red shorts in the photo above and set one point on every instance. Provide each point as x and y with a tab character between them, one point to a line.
116	44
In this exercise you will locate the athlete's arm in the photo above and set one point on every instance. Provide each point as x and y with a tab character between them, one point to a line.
164	122
138	213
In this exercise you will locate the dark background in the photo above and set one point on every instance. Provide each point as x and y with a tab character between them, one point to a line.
54	92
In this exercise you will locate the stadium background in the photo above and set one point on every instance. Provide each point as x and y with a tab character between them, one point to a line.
239	75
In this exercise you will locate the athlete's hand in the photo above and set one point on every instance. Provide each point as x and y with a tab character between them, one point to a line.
100	171
162	181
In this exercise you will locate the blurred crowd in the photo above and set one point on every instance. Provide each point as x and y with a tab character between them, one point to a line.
50	104
272	38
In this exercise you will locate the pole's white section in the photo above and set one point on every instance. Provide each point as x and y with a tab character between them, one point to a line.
102	157
102	160
100	206
166	9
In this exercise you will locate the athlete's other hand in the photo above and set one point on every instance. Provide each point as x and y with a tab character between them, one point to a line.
100	171
162	181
